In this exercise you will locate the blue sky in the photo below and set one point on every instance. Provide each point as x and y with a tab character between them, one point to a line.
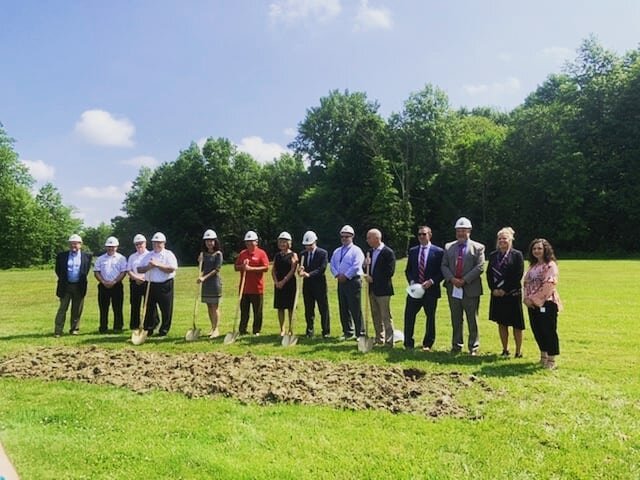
92	90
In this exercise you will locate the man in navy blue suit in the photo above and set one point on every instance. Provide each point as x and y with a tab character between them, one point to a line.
313	263
423	268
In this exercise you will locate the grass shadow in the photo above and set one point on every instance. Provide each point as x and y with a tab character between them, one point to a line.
508	369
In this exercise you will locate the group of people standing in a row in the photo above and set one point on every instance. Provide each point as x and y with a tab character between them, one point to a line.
459	265
150	273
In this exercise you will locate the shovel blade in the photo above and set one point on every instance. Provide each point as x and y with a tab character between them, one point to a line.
230	338
138	337
285	340
365	344
293	340
192	334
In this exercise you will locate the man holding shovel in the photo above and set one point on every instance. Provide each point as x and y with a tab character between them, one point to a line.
160	265
346	267
314	284
253	262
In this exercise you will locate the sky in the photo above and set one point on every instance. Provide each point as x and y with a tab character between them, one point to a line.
91	91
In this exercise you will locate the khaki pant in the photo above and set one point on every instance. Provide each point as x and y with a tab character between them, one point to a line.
381	315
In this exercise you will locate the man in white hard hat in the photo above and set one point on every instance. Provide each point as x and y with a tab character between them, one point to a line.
160	267
462	267
72	268
346	267
253	263
137	281
110	268
423	268
381	265
313	263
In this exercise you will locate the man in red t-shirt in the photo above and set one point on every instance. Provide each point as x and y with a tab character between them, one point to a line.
253	263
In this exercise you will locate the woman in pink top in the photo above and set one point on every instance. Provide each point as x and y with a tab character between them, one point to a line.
542	299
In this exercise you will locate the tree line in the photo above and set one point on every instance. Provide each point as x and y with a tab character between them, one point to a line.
562	165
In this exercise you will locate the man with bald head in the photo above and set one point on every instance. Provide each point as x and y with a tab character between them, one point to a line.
381	263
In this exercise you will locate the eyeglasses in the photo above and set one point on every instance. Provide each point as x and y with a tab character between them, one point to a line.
345	236
422	234
138	243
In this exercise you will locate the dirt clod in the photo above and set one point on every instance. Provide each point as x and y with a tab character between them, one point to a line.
247	378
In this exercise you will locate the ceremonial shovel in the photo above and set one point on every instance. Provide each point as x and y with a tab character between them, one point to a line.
194	333
365	344
232	336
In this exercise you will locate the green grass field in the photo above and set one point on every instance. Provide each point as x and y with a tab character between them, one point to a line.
579	422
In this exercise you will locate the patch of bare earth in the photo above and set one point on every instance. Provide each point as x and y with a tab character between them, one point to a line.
248	378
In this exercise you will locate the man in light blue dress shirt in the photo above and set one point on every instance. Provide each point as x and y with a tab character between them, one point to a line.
346	267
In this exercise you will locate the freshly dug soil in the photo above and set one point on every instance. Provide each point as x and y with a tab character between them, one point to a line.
248	378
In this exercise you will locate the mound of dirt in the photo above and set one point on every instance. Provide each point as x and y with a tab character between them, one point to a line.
248	378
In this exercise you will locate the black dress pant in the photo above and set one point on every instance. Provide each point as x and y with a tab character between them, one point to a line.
160	296
114	297
411	309
136	298
544	326
350	303
316	292
256	302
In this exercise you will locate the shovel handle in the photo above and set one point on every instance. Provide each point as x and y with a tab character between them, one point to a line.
241	291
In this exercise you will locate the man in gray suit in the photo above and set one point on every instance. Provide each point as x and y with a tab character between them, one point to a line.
462	266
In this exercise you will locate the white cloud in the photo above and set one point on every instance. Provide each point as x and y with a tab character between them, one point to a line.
505	57
292	11
558	55
371	18
141	161
509	86
290	132
110	192
40	170
260	150
101	128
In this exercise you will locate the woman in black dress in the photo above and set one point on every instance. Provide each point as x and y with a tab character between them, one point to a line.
504	276
211	261
283	273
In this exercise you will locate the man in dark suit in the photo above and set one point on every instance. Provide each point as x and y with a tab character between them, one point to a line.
313	263
423	268
381	264
72	268
462	267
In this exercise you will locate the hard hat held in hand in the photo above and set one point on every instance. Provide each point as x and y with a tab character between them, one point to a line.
415	290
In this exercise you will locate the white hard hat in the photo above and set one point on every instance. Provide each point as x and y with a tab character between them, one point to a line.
415	290
75	238
139	238
347	229
309	237
463	222
111	242
250	236
209	235
284	236
158	237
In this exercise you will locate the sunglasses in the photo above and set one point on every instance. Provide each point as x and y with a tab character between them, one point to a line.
423	234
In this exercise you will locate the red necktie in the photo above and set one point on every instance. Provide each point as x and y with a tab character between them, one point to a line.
421	265
460	261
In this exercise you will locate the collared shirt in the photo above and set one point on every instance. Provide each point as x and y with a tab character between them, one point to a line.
135	260
374	256
347	260
110	266
254	281
73	266
165	257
